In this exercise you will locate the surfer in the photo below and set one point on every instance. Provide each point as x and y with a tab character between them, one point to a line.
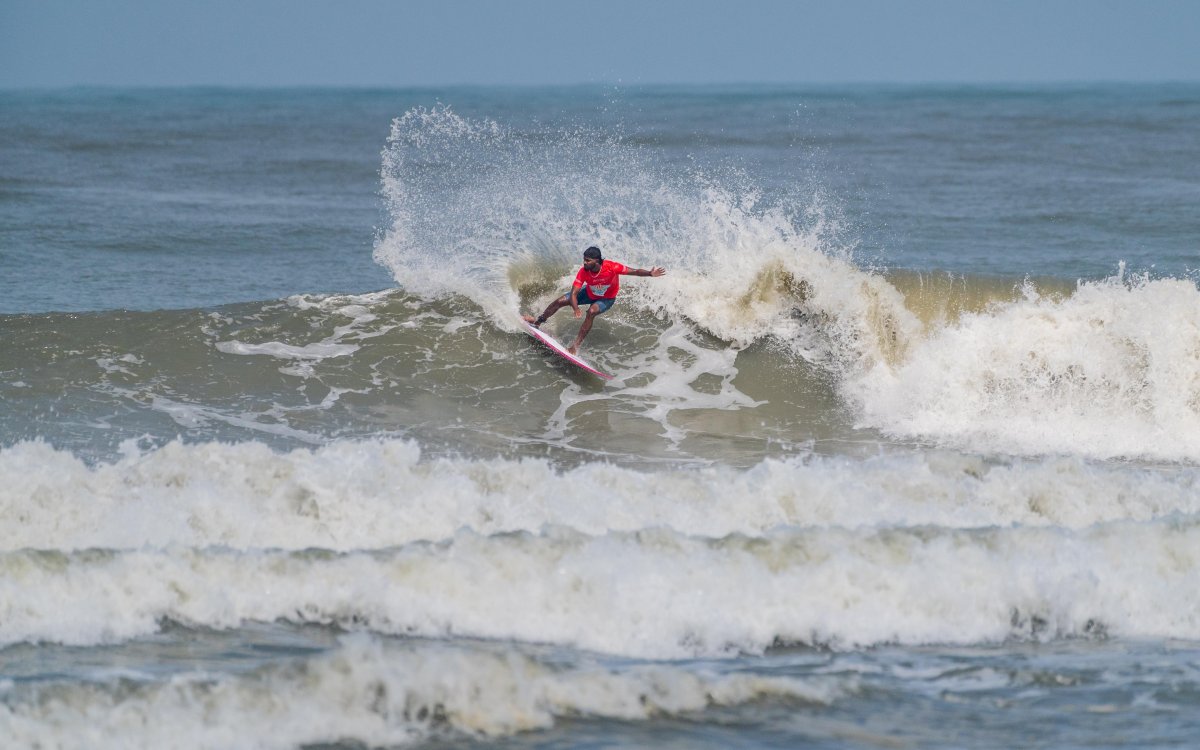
595	287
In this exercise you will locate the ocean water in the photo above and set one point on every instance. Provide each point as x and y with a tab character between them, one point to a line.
902	452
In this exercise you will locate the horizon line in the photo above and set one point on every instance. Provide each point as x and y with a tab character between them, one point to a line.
618	84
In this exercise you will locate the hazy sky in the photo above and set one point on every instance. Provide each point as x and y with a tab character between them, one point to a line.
435	42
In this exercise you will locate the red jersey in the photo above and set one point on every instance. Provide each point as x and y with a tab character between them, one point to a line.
605	282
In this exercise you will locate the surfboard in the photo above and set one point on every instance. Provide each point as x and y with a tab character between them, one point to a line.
553	345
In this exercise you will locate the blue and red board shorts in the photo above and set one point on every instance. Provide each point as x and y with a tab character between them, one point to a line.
586	300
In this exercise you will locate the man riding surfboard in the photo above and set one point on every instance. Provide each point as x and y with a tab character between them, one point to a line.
595	286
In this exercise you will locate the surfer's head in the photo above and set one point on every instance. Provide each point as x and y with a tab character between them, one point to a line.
591	257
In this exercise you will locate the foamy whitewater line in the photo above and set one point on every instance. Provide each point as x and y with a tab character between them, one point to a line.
357	308
653	593
379	494
373	693
311	352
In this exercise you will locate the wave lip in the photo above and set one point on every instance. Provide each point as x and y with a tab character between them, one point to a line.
1110	371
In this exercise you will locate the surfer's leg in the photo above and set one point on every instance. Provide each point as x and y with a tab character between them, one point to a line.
592	312
552	308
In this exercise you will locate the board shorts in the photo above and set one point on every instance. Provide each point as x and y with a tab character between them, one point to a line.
587	300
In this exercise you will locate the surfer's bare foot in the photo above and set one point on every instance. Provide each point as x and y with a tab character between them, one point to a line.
573	348
530	320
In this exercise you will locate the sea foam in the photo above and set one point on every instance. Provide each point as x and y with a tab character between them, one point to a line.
385	694
654	593
1113	370
378	494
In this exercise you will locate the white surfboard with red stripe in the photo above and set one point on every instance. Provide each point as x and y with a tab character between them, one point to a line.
561	350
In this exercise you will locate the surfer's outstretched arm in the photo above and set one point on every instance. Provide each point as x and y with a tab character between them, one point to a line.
654	271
